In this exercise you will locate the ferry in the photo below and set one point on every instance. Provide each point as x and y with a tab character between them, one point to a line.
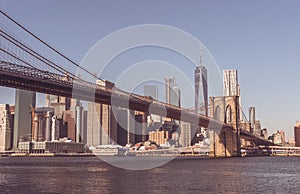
108	150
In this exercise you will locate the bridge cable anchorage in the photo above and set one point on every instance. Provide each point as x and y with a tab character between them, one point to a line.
49	46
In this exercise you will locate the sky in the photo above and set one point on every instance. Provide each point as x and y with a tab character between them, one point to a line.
261	39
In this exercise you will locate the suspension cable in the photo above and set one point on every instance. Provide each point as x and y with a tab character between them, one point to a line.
49	46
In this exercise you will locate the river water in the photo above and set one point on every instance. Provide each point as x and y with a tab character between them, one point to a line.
181	175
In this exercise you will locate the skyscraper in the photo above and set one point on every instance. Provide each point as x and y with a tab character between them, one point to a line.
175	96
69	120
185	138
150	90
24	104
6	128
169	83
201	93
60	104
153	121
101	125
172	91
83	132
101	122
257	128
131	127
252	118
141	133
70	113
297	134
42	124
122	126
231	85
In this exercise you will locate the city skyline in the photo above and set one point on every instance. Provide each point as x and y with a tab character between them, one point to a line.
149	96
229	41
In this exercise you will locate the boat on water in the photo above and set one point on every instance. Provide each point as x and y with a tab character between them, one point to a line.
108	150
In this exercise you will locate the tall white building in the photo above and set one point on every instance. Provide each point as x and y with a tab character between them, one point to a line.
185	138
175	96
230	81
6	128
172	91
252	117
169	83
232	87
151	90
154	121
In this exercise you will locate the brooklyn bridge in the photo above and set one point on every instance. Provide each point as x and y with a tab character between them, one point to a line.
21	67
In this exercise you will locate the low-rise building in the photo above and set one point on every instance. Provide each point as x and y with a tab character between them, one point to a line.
279	138
264	133
291	142
51	147
159	137
6	128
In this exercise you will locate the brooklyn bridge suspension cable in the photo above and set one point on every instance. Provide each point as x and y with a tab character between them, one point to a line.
47	45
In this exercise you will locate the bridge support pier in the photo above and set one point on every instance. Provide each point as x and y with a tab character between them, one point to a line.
224	144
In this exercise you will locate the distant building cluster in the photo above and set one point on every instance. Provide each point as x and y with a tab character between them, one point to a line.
63	124
24	125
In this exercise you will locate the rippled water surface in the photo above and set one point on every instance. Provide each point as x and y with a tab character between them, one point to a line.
182	175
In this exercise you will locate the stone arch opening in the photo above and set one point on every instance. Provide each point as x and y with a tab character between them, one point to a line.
228	115
217	114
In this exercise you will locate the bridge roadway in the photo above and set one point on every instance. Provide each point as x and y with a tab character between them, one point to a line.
28	78
253	138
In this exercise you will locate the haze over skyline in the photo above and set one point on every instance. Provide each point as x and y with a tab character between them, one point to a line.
259	38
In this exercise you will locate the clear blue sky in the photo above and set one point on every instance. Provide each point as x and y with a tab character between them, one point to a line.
259	38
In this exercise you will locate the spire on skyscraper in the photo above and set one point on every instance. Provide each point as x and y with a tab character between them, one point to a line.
201	93
200	64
